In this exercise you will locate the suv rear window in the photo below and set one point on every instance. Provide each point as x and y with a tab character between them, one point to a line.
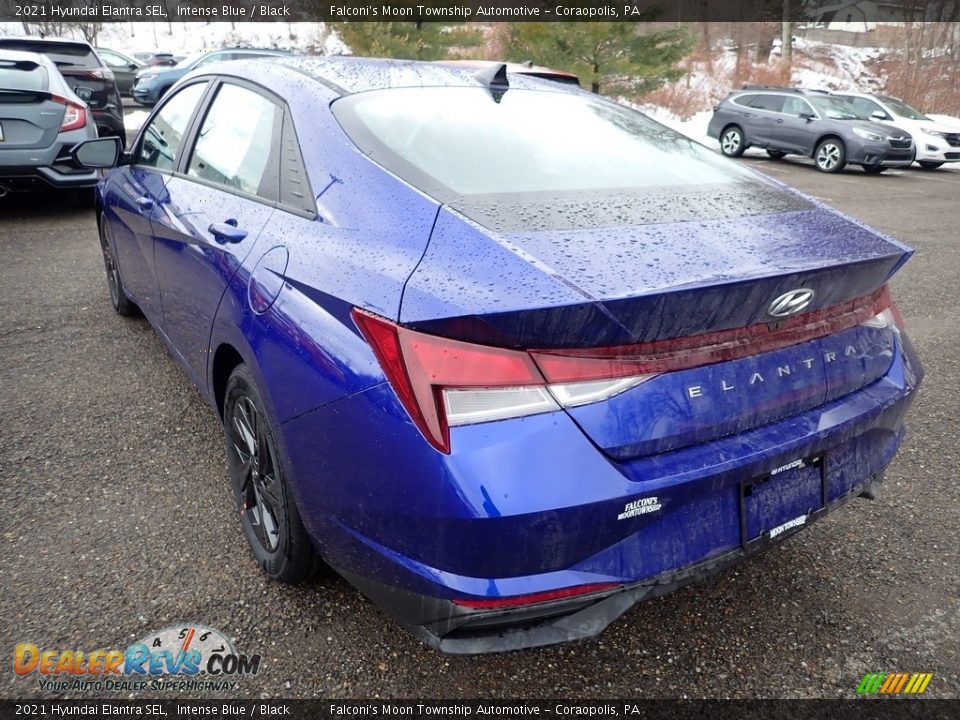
64	54
22	75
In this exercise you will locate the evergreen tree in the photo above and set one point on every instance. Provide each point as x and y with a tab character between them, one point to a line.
613	58
408	40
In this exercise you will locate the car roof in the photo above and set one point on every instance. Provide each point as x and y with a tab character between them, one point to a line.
348	74
14	39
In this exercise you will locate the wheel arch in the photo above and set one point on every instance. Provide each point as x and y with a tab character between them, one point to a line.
226	358
736	125
827	136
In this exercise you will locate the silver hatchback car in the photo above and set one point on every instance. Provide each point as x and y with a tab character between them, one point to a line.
41	121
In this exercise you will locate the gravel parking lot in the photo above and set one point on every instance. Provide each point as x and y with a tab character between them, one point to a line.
117	517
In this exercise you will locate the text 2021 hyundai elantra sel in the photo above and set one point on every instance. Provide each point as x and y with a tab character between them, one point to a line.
508	356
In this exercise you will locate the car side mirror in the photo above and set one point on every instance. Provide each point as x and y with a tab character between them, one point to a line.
132	66
98	154
879	115
84	93
807	116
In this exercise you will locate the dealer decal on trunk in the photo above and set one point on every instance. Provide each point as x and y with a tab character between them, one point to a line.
641	506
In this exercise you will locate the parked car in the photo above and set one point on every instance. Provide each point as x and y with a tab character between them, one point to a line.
509	356
526	68
937	142
152	83
816	124
86	74
41	120
157	59
124	67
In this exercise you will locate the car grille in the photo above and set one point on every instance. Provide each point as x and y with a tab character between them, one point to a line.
901	143
952	156
953	139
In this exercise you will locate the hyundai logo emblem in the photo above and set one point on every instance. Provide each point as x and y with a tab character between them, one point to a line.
790	303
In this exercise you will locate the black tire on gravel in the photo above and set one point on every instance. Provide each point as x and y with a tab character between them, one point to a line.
268	512
118	298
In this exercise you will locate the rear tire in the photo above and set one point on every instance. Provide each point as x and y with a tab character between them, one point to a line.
873	169
776	154
830	155
732	141
927	165
118	298
268	512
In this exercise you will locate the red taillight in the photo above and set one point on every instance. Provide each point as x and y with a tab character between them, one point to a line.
443	382
695	350
419	366
75	115
92	73
533	598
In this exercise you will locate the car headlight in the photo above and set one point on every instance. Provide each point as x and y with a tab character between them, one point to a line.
935	133
867	135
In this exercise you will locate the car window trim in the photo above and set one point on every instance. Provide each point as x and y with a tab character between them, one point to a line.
135	148
193	130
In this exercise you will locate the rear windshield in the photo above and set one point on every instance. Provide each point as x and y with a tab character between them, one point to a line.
540	159
22	76
63	54
466	141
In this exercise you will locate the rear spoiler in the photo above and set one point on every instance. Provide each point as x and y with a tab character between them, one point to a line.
25	65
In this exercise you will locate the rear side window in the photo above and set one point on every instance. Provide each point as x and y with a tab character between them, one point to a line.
236	145
23	76
744	100
164	135
773	103
65	55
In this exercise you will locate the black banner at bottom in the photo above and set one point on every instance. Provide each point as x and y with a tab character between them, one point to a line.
894	709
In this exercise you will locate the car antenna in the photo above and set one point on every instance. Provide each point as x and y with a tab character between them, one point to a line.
494	78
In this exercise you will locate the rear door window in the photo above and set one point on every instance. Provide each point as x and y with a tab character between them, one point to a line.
237	146
163	136
773	103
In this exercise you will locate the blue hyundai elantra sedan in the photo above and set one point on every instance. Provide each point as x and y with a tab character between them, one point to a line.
506	355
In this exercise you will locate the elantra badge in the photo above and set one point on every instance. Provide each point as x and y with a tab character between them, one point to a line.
790	303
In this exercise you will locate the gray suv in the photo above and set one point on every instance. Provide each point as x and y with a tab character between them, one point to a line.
822	126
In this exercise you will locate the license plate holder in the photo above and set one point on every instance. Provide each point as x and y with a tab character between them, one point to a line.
778	503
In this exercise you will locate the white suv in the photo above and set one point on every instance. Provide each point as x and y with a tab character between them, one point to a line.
936	143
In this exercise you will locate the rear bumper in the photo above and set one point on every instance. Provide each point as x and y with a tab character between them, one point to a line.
531	506
452	629
25	179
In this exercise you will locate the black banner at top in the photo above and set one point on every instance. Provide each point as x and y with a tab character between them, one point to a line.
34	11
